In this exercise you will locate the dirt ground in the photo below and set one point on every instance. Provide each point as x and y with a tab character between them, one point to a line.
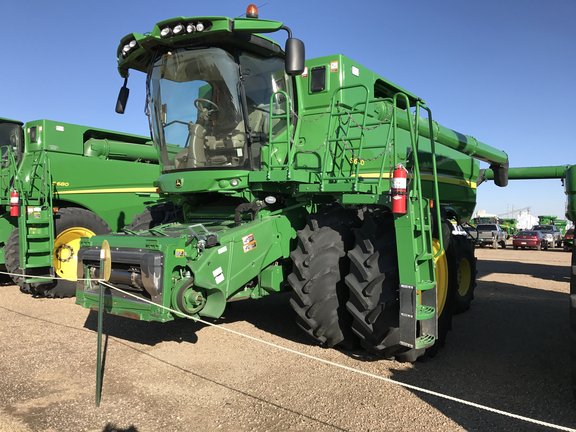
509	351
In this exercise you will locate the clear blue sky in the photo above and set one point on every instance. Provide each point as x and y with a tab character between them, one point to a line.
503	72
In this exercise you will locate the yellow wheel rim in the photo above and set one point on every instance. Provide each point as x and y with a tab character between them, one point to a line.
65	255
464	276
441	275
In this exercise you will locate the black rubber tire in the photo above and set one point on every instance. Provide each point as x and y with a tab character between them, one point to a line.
374	284
12	262
155	215
494	244
503	244
515	247
466	273
539	247
317	279
65	219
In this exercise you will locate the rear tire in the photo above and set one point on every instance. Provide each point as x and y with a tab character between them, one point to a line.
466	273
494	244
320	264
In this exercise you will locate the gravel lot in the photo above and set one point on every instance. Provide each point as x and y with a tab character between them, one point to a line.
509	351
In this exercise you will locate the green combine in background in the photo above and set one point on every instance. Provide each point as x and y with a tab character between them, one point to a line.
61	182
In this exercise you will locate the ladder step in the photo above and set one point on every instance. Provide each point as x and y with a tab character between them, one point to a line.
422	227
425	312
39	251
38	236
425	256
32	280
425	341
425	285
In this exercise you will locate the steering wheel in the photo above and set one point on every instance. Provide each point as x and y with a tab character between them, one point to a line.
199	107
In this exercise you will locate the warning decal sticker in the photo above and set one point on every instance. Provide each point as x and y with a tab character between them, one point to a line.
218	275
248	242
249	246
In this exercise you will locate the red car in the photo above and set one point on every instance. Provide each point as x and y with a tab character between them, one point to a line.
529	239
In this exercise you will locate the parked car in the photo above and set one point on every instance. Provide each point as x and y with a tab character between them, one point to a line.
530	239
569	240
551	233
491	234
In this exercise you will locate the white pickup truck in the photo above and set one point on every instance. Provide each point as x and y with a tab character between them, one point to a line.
491	234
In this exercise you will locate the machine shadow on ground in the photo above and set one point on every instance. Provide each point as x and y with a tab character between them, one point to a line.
560	273
509	352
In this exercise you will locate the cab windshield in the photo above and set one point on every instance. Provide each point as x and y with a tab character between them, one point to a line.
199	101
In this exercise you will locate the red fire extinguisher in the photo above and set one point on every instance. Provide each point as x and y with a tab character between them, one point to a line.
14	203
399	190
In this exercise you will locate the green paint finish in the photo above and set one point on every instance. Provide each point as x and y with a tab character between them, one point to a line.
565	172
335	132
246	263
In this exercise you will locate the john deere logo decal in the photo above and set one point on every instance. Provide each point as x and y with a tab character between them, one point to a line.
178	183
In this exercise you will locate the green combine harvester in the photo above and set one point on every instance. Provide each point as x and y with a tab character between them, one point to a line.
61	182
318	176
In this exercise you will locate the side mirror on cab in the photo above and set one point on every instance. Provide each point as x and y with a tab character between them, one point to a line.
122	98
295	56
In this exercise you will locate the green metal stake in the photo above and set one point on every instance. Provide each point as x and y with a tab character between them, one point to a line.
105	269
99	353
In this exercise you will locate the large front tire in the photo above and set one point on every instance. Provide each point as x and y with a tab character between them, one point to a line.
374	283
12	262
320	263
155	215
70	225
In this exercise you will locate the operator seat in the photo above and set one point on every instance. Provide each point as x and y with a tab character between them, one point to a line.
196	155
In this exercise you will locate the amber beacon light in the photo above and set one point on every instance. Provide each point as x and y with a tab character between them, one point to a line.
252	11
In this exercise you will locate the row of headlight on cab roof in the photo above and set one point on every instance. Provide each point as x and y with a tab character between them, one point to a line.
175	30
129	48
181	28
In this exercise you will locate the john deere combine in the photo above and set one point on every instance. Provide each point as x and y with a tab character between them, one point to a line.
317	176
61	182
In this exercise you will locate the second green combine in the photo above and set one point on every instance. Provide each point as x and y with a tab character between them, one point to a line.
61	182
